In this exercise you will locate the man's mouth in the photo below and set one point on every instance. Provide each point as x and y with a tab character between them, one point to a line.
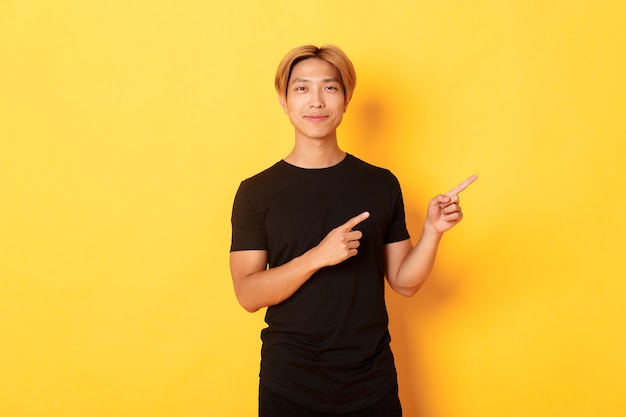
316	118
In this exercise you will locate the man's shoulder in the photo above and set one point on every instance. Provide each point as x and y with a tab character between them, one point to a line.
368	168
265	175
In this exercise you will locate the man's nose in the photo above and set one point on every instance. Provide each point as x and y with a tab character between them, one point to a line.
317	100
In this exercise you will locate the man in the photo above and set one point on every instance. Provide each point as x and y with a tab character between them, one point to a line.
314	236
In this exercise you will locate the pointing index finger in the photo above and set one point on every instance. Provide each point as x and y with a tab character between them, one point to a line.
356	220
462	186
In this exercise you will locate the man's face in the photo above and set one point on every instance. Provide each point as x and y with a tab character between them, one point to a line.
315	99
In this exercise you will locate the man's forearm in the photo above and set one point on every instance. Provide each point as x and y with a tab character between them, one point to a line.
273	286
418	264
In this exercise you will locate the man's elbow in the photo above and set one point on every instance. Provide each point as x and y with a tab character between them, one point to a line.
250	309
247	305
406	291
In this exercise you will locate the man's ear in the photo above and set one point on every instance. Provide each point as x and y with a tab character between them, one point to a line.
283	103
345	105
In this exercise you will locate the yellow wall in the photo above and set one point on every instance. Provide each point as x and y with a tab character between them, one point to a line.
126	126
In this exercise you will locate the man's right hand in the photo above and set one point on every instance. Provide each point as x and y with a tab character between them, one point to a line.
340	243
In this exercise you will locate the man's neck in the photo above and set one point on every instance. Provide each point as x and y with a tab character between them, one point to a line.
315	154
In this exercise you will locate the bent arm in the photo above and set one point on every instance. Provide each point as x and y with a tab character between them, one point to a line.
257	287
408	267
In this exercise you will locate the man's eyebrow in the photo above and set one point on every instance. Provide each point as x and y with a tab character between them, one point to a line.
306	80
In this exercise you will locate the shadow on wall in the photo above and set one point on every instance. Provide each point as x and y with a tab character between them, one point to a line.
376	124
368	122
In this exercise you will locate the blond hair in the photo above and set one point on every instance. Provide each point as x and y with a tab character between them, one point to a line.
328	53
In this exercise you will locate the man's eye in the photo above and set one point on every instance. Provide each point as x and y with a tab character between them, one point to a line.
300	88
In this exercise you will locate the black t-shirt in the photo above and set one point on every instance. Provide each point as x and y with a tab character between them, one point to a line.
327	346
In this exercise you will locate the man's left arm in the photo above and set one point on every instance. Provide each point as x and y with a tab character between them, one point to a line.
408	267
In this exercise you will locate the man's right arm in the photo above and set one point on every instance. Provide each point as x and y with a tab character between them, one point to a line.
257	287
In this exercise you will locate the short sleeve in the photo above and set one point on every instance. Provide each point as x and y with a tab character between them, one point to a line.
397	230
247	222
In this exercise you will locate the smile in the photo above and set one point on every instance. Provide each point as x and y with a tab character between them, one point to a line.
316	118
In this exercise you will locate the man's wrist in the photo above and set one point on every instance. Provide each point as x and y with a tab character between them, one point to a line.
431	233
